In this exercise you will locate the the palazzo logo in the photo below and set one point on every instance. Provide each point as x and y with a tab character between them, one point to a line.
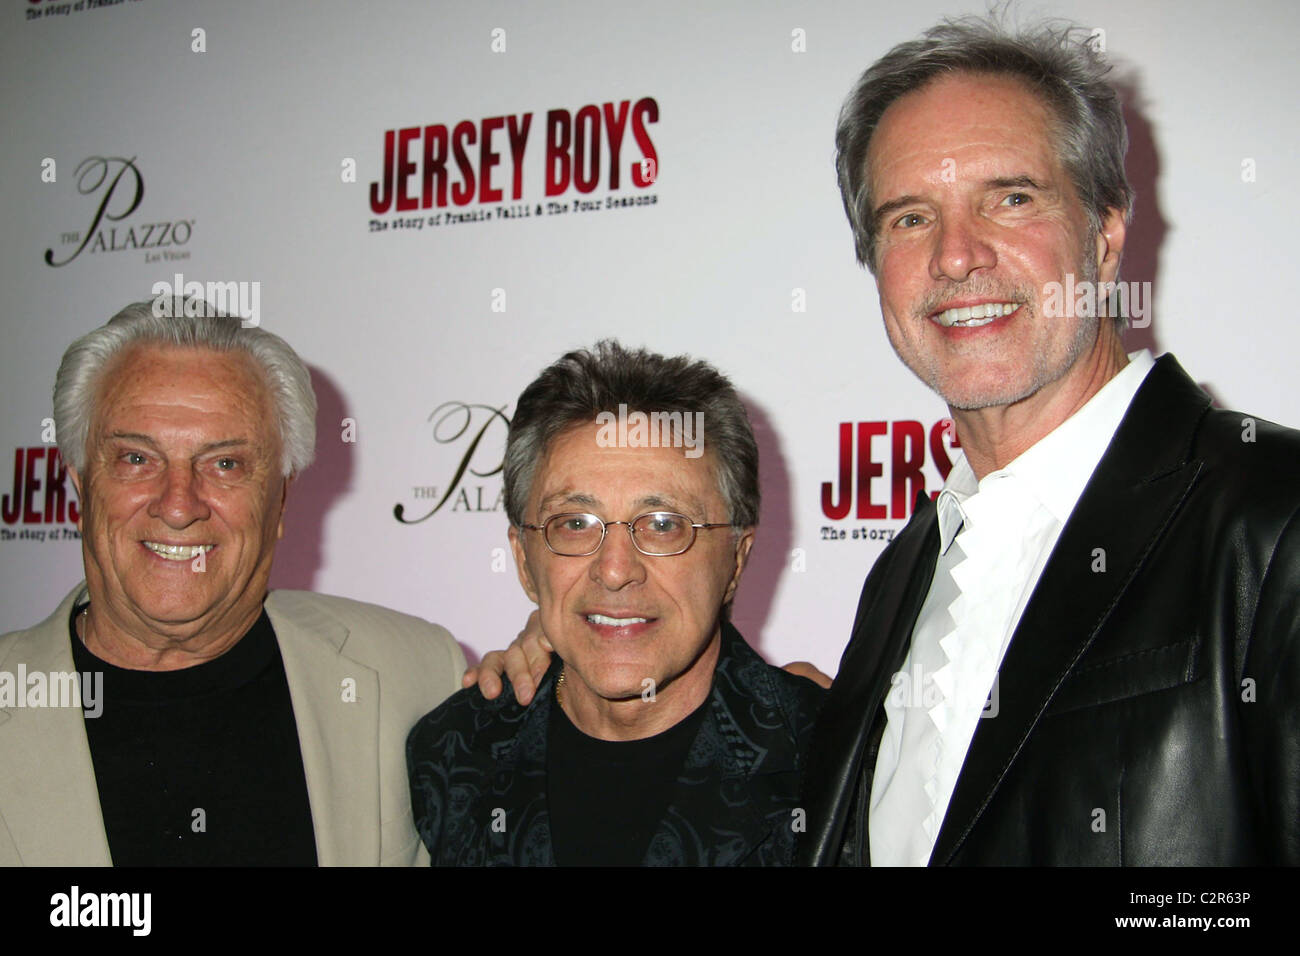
116	187
477	434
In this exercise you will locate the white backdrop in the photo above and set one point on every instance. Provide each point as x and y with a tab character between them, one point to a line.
744	257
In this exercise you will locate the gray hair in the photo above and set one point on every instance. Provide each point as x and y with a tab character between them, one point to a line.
583	383
76	387
1053	59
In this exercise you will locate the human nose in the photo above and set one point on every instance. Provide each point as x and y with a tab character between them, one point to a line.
180	502
618	563
960	248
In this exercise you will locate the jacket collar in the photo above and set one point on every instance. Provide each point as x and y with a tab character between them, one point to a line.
336	708
1134	493
732	745
49	802
840	755
335	705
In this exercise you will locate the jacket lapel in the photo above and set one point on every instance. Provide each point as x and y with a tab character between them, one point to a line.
521	833
49	801
1133	494
717	805
336	707
882	631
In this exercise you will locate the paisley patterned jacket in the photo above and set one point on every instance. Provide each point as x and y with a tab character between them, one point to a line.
478	773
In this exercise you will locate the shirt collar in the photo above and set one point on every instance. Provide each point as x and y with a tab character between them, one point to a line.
961	484
1057	468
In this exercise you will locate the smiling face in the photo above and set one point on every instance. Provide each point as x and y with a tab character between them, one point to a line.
181	503
976	216
618	617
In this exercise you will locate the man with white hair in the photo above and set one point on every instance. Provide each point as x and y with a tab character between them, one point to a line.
222	724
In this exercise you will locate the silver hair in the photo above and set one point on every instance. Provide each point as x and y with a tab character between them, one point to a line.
1054	59
78	383
582	384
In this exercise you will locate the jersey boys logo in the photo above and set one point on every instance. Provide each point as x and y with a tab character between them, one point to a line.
483	161
114	186
40	496
880	468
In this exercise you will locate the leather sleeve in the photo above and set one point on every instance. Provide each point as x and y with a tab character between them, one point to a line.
1272	719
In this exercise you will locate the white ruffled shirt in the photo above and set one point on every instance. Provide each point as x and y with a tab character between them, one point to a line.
995	537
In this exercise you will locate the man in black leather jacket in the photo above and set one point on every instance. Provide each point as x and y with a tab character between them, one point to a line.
1085	651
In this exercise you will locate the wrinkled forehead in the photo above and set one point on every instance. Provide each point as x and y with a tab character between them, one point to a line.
226	387
582	468
954	110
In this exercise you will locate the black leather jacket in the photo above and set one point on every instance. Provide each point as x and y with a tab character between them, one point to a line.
1149	714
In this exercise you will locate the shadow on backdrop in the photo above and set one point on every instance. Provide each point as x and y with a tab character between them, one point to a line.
1146	233
300	555
770	557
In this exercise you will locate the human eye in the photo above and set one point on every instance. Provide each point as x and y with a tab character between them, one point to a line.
571	531
132	463
225	466
664	523
909	220
571	527
1017	199
131	460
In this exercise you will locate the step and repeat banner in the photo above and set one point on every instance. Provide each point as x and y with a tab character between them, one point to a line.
433	201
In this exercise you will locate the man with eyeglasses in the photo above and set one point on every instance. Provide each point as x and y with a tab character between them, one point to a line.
657	736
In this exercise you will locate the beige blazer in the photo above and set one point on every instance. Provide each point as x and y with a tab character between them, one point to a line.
397	668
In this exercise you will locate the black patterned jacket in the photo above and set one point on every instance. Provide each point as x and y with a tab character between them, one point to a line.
478	773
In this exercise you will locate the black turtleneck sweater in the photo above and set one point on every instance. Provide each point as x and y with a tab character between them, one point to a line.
201	766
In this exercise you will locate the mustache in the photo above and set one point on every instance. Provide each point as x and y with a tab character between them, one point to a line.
935	299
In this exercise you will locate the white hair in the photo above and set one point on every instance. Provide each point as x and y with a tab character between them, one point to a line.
287	379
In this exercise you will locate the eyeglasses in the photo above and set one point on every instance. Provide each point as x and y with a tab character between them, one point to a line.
659	534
